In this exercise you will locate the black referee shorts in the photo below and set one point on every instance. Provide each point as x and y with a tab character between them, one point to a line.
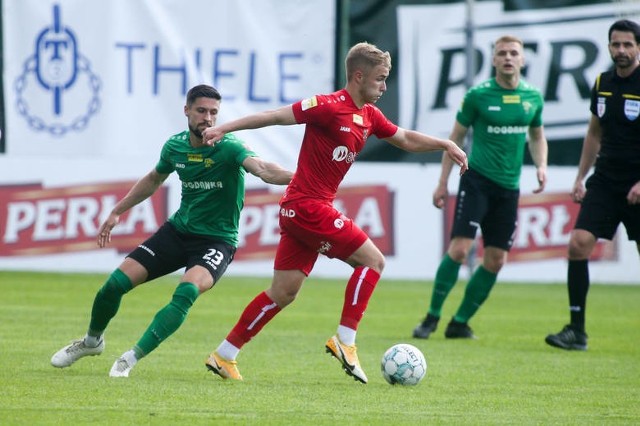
604	207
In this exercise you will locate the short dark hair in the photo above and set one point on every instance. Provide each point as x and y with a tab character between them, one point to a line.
202	91
628	26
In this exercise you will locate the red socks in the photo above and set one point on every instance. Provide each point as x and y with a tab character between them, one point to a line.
357	295
262	309
255	316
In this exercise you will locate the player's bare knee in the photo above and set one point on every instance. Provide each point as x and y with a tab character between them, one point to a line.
493	265
282	295
459	248
284	300
278	299
373	259
377	263
494	259
580	245
458	254
578	250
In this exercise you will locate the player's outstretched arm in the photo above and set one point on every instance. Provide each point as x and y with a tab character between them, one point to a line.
412	141
282	116
139	192
269	172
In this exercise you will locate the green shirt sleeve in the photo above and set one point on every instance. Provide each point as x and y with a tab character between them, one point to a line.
467	113
164	165
238	150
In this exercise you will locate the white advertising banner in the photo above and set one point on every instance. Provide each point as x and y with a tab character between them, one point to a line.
565	49
93	88
93	78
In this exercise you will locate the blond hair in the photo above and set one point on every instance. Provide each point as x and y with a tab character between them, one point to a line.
508	39
365	56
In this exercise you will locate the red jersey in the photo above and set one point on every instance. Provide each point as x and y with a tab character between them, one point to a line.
336	131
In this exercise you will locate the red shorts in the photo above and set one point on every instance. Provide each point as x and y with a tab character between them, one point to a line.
309	228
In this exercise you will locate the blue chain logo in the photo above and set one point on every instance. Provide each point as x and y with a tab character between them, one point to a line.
57	67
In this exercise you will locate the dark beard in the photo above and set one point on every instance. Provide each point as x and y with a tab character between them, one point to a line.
196	132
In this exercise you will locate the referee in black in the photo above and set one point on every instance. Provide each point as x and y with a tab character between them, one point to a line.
612	193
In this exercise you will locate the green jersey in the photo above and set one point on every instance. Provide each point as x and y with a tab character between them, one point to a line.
501	119
212	181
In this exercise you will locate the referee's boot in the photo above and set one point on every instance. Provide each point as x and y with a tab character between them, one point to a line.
570	338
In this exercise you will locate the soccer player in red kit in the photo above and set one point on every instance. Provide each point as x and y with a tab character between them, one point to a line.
337	127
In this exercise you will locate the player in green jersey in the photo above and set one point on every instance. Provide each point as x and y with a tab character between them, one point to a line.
502	112
201	236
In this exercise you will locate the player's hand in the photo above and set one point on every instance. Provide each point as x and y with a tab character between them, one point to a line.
633	197
578	191
104	234
458	156
440	195
211	136
541	175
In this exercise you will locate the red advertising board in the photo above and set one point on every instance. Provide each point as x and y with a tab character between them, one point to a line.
37	221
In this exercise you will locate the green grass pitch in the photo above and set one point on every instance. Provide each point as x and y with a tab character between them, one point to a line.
508	376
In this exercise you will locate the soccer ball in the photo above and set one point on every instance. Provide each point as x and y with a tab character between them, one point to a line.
403	364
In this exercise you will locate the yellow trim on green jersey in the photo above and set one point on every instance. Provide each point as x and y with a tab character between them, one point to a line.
212	185
501	119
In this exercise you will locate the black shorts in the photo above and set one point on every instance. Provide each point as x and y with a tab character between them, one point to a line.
604	207
168	250
483	204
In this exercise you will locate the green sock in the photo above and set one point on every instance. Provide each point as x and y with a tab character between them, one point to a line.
168	319
477	291
107	301
446	278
